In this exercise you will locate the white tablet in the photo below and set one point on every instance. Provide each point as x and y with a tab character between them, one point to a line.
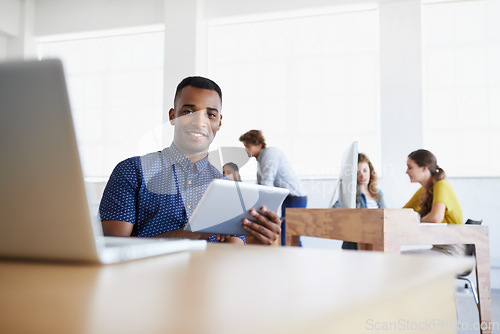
226	203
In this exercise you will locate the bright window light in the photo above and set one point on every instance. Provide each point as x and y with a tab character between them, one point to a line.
310	82
115	83
461	55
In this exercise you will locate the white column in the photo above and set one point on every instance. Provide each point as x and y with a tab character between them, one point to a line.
21	44
400	94
184	51
9	24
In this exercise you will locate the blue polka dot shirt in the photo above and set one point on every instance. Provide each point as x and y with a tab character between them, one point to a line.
157	192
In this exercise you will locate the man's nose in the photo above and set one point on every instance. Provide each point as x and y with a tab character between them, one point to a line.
200	117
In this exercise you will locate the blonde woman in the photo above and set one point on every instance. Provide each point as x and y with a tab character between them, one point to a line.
368	196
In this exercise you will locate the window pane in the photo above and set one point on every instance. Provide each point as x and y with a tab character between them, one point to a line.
115	85
461	86
310	83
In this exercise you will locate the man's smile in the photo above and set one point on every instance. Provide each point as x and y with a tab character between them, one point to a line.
196	133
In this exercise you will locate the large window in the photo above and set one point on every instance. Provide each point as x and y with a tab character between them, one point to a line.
309	82
461	52
115	83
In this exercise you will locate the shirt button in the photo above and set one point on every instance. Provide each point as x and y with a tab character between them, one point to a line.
188	206
189	182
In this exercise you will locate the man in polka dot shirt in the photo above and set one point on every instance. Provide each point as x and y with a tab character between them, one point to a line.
154	195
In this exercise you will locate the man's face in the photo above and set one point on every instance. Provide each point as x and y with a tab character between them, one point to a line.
252	149
197	118
229	172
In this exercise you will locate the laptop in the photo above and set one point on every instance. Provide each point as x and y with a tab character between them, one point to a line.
44	210
238	199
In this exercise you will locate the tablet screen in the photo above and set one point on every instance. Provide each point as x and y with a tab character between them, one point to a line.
226	203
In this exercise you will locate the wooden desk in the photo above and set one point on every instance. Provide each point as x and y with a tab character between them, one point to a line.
233	289
389	229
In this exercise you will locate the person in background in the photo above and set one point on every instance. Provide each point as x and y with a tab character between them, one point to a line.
435	200
368	196
232	171
154	195
274	170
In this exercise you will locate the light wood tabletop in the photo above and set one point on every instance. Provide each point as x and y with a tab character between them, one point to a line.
233	289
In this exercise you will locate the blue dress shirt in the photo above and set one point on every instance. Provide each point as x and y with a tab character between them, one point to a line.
157	192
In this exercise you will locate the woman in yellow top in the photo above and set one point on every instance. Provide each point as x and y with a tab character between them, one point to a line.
435	201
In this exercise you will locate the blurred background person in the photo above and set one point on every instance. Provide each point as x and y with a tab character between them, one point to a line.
232	171
368	196
274	170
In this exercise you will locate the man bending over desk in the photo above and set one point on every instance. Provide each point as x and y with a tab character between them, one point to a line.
154	195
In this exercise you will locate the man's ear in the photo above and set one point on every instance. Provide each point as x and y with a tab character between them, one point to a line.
220	122
171	115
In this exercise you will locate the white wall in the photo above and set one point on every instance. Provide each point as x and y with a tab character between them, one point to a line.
182	28
54	17
400	94
10	11
3	47
227	8
9	24
16	29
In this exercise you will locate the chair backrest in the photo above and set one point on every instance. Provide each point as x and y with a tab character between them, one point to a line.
473	222
470	248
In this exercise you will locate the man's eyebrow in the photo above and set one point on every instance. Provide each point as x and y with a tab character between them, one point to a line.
194	106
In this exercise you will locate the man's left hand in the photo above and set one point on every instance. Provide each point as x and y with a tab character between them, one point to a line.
265	227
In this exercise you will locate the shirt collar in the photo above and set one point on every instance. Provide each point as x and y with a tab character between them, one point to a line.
174	155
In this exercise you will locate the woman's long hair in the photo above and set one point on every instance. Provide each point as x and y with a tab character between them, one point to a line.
372	184
424	158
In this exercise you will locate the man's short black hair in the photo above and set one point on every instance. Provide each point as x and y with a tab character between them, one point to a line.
198	82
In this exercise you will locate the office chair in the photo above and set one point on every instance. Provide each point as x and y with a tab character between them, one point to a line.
469	251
